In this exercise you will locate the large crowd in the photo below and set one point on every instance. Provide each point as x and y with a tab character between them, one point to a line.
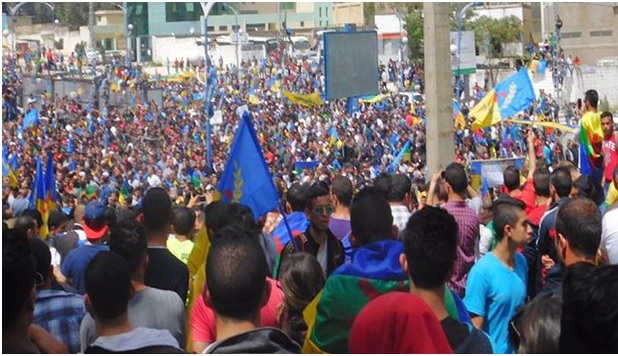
369	253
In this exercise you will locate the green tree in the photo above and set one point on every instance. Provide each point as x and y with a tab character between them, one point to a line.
369	12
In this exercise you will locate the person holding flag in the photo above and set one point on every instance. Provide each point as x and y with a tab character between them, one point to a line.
591	141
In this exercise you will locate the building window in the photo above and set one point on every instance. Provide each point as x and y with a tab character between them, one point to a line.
179	12
320	11
302	24
326	9
288	6
571	35
223	28
606	33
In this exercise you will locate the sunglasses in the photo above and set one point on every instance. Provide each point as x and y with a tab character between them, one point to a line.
321	209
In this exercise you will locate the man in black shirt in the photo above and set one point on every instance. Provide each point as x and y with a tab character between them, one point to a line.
164	270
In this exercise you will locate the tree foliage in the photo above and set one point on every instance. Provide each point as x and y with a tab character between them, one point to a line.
495	32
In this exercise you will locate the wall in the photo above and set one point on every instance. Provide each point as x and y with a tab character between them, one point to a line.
351	12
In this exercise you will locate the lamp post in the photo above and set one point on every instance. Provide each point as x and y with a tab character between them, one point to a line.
403	40
129	50
236	30
56	23
459	26
127	29
206	7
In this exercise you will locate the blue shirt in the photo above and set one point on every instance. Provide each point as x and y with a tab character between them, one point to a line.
494	292
60	313
74	265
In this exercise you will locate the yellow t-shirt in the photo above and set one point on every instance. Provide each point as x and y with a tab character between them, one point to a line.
180	249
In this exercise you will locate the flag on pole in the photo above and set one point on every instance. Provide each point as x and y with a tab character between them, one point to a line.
10	168
459	121
51	195
31	119
38	195
246	178
400	157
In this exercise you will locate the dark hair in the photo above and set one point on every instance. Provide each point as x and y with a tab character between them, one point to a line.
540	181
23	224
236	271
242	216
215	215
561	181
579	221
511	178
371	217
593	97
130	244
590	310
381	184
42	257
184	220
108	285
342	188
315	191
56	219
157	210
296	196
35	214
18	274
399	185
430	246
455	176
537	326
301	279
505	212
605	114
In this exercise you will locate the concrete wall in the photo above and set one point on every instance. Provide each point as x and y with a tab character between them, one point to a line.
348	12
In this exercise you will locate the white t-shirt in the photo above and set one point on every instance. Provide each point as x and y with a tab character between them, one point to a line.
323	256
609	239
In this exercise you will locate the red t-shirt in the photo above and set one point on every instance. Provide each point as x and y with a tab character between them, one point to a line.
203	324
610	157
528	196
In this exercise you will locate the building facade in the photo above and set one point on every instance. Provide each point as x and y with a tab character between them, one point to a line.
589	31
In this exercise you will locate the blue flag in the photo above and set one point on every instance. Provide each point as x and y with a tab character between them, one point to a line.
70	145
38	186
31	118
106	140
246	178
300	165
515	94
397	161
542	67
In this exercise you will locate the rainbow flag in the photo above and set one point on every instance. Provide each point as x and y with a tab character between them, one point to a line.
590	144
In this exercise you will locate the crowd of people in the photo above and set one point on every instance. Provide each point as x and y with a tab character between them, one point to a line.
371	255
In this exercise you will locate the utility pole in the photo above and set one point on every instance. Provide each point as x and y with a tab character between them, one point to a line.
91	25
438	88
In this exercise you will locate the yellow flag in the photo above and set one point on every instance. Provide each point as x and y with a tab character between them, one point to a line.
304	100
254	100
486	112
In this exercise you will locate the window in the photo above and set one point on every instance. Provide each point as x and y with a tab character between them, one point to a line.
320	11
288	6
606	33
326	9
571	35
178	12
302	24
223	28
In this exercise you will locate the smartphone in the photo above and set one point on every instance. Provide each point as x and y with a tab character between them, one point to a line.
202	198
579	103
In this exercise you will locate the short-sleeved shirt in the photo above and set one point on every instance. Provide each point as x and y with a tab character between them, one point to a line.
60	313
469	226
203	324
74	265
166	272
494	292
180	249
339	227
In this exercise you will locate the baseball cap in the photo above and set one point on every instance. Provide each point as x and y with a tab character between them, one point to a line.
95	224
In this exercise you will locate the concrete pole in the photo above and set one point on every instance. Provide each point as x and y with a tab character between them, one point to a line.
438	88
91	24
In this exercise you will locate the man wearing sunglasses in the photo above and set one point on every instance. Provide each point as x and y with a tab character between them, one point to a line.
318	240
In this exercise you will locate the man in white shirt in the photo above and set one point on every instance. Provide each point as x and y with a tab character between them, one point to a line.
609	239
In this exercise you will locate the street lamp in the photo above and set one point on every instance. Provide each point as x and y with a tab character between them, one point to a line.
206	7
236	30
56	23
129	51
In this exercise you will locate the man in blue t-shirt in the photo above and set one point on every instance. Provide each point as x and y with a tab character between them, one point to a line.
496	285
95	227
